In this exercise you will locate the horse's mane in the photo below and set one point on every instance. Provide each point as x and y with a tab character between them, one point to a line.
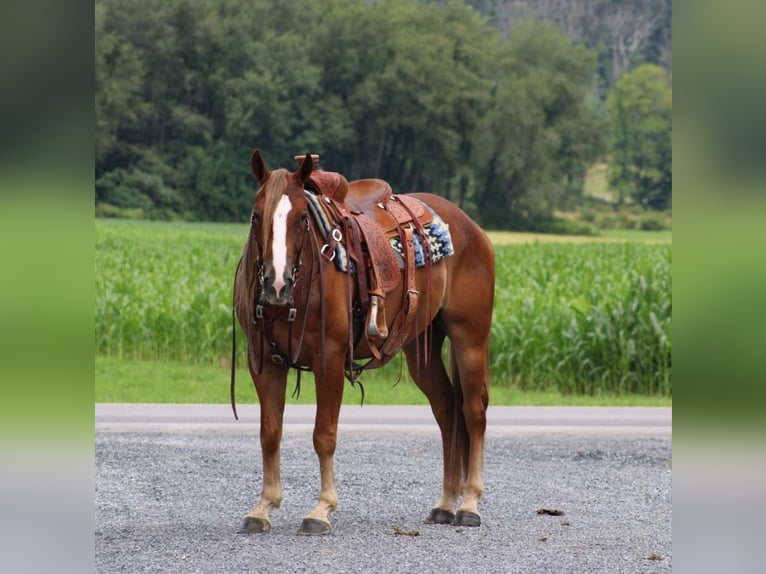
272	189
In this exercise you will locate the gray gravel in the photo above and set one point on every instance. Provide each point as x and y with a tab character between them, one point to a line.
173	501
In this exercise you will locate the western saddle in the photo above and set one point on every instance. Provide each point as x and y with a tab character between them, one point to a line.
367	215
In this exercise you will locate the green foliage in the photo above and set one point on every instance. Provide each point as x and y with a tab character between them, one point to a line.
214	185
561	226
605	214
619	220
625	218
640	110
652	222
588	215
539	135
107	210
136	191
578	318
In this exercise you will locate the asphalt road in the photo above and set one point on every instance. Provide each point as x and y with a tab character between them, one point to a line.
173	482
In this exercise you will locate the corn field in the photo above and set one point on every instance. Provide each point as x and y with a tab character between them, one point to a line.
588	318
581	318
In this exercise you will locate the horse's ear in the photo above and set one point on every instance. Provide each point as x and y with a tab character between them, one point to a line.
258	165
304	171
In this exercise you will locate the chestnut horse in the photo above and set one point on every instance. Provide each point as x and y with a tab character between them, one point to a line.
290	297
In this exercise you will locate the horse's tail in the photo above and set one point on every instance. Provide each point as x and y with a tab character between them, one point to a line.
458	456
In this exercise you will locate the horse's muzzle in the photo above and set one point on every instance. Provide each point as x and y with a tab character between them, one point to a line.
282	297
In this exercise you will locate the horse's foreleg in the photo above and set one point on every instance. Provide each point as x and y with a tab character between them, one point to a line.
435	384
329	396
270	385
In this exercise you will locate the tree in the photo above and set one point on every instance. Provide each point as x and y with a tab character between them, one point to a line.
623	33
540	135
425	95
631	24
119	80
640	113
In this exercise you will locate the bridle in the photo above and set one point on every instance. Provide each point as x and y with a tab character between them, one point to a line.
265	313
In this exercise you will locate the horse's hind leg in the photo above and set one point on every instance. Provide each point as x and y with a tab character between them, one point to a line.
270	385
472	374
435	384
329	397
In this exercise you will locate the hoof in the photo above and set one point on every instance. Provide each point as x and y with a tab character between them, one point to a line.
314	527
440	516
253	525
467	518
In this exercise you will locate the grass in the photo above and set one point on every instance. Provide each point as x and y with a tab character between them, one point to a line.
636	235
128	381
581	316
610	236
596	184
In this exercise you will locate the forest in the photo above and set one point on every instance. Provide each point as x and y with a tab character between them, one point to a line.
500	105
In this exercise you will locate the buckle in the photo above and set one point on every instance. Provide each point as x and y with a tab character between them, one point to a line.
325	247
336	235
291	314
259	312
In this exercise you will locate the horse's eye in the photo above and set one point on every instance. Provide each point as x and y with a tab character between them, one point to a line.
254	219
304	217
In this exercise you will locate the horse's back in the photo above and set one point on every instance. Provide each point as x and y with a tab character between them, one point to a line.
468	296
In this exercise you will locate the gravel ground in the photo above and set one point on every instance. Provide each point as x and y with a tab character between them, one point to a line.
173	501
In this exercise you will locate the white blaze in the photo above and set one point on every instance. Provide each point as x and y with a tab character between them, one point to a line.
279	241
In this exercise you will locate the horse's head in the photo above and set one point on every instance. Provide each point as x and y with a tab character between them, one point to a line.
280	226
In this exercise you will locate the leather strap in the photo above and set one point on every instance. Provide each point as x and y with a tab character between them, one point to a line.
406	316
408	203
234	343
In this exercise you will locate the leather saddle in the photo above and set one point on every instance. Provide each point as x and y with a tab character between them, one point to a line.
379	214
372	215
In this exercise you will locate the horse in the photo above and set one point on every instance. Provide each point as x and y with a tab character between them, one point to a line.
297	309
